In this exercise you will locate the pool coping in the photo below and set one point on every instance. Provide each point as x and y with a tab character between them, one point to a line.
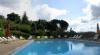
19	48
81	40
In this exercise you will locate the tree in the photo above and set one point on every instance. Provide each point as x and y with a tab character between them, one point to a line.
40	32
63	24
1	17
7	29
13	17
25	19
2	21
41	24
1	33
72	32
33	26
55	25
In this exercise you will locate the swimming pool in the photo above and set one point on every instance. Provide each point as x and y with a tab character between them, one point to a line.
58	47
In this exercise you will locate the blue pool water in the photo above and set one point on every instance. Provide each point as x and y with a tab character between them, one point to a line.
58	47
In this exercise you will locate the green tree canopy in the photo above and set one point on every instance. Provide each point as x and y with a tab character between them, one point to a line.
64	25
52	25
2	17
13	17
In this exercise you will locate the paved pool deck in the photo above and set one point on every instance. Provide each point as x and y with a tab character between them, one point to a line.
10	46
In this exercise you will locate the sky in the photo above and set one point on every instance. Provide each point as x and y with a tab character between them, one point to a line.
82	15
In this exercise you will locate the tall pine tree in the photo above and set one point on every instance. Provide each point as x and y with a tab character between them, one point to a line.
24	18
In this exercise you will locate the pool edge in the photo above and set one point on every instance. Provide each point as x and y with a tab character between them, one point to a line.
19	48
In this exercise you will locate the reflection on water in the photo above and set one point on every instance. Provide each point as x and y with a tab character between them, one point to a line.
59	47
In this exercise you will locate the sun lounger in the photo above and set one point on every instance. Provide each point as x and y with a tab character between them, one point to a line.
96	36
5	39
1	39
30	37
74	36
51	37
45	37
14	38
77	36
10	39
38	37
59	36
65	36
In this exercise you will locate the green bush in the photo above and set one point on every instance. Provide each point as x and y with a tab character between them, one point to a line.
1	33
19	33
40	32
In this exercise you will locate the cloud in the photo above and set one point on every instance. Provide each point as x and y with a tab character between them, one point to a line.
4	10
95	11
34	11
82	24
45	11
93	2
79	26
89	20
84	27
92	9
17	6
9	3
